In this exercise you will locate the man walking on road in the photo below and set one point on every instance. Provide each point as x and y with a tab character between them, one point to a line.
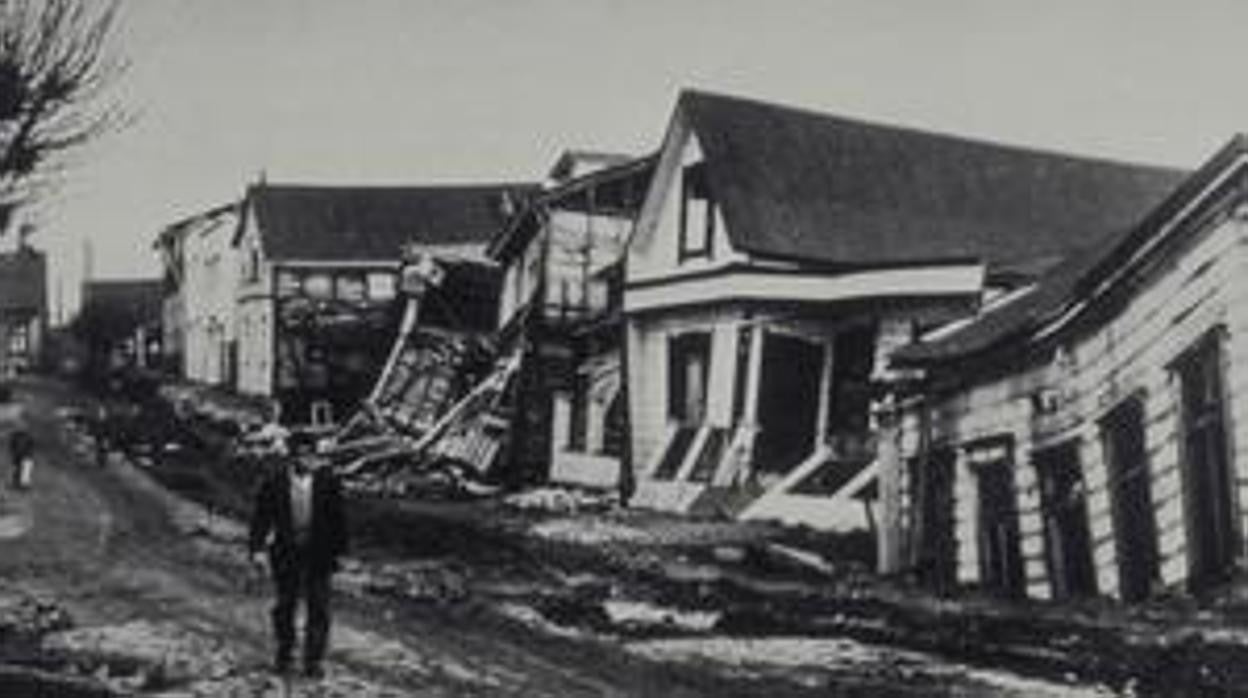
299	516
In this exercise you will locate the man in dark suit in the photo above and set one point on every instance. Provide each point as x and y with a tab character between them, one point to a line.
299	516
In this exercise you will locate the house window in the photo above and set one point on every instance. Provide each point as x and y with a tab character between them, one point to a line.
1206	463
697	214
322	413
689	359
318	285
288	284
350	287
382	286
252	272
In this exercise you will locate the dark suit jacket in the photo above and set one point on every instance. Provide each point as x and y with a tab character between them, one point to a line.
327	538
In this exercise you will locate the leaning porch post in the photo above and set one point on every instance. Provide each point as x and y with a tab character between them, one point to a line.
888	457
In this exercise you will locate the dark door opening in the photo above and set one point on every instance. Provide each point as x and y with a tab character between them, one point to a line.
935	553
788	402
1067	540
1131	502
1000	549
1211	522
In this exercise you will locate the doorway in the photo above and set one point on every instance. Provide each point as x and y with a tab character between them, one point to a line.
1067	539
1131	501
788	402
1206	466
935	552
1000	546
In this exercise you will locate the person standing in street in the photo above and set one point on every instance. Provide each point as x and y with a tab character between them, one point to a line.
299	517
22	456
21	445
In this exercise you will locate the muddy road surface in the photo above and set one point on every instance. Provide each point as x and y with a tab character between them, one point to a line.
139	592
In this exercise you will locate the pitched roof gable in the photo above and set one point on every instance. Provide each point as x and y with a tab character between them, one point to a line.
806	186
1081	277
327	223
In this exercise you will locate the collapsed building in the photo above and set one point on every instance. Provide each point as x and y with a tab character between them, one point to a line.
319	306
560	309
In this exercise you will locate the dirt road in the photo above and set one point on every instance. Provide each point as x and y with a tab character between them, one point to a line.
163	604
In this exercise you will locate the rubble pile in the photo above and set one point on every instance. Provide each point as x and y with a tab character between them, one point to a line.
25	618
429	428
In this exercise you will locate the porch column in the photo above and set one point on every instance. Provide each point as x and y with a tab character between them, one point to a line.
888	457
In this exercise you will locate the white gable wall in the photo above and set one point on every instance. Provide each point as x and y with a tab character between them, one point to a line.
255	321
653	250
210	286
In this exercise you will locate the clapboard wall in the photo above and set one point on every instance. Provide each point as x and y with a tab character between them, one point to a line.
1194	288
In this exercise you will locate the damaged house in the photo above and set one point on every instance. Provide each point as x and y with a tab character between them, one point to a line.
560	307
318	296
200	281
1086	434
780	255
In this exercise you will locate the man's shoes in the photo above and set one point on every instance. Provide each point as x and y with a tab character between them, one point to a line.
313	670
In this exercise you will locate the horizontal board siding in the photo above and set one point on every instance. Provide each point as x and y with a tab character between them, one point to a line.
1204	287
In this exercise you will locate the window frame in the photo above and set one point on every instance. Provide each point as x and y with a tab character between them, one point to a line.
694	187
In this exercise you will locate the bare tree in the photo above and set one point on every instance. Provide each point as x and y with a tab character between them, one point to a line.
55	68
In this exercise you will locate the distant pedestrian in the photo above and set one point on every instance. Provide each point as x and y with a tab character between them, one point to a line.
21	444
99	435
299	517
22	456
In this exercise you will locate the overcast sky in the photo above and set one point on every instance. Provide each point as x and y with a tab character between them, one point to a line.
418	91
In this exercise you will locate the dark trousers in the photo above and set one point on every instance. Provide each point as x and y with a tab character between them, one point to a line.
296	580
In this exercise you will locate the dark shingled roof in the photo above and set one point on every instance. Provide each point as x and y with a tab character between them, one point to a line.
806	186
1075	279
327	223
137	300
23	280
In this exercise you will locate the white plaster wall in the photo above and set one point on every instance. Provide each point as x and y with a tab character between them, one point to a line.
653	250
211	290
255	321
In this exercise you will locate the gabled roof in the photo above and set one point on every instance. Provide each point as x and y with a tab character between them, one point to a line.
1074	286
811	187
573	162
23	280
180	227
330	224
619	188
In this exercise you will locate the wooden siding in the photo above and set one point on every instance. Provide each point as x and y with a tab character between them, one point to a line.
1200	288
